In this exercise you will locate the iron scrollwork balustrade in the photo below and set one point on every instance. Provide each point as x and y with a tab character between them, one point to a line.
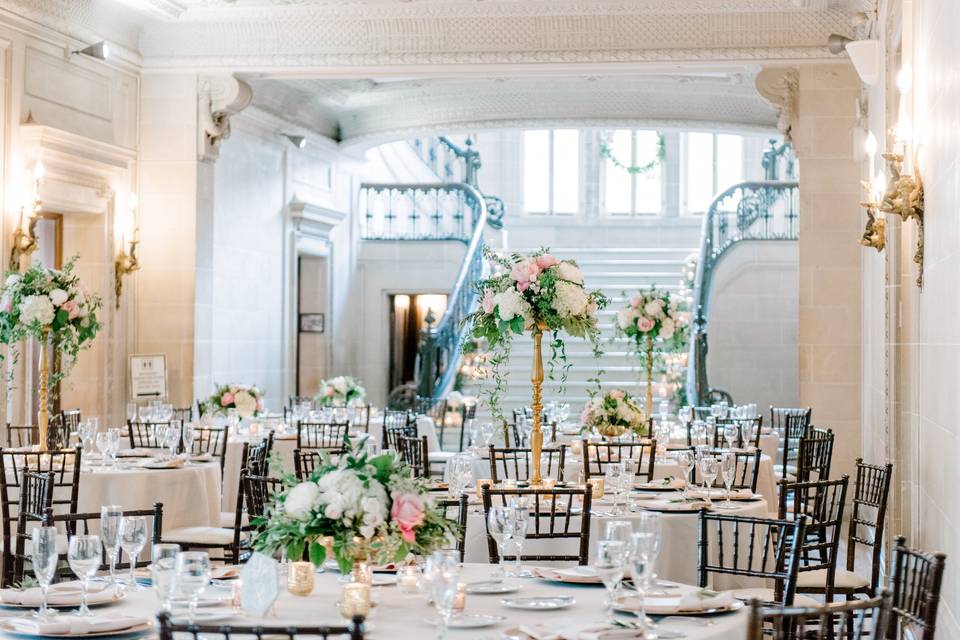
418	211
766	210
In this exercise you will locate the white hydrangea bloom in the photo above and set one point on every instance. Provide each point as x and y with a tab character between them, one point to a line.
36	308
510	304
569	299
625	317
567	271
301	500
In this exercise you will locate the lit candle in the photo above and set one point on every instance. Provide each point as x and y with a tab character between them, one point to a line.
300	578
870	146
460	600
408	578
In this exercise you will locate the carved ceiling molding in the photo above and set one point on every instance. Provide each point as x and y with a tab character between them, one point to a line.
780	86
404	34
219	97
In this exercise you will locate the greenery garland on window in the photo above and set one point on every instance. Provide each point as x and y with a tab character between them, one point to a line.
607	152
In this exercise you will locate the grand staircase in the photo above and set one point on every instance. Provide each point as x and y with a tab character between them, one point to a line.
613	271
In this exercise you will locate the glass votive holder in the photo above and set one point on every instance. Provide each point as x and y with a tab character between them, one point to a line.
408	578
300	578
354	600
460	600
597	482
481	483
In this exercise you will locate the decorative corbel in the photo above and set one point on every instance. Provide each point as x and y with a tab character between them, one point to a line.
219	97
779	86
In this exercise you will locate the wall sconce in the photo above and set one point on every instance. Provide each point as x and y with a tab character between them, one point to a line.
904	191
98	50
127	262
875	231
25	242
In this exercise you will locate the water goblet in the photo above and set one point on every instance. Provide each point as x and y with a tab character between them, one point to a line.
730	434
43	557
86	431
613	476
444	579
728	470
609	565
500	525
131	411
685	414
133	537
111	520
163	571
83	555
103	446
684	460
113	438
709	468
521	518
192	578
189	435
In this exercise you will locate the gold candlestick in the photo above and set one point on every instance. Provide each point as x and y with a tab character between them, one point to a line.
43	416
649	403
536	377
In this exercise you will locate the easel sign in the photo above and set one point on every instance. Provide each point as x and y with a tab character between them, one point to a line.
148	376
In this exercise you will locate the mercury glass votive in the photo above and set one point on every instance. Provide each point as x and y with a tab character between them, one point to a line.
597	482
355	600
408	578
300	578
481	483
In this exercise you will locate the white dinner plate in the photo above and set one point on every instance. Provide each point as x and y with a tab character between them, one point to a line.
117	597
10	630
384	579
539	603
206	600
203	617
468	621
492	587
624	606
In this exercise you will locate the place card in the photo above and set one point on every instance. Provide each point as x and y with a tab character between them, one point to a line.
260	584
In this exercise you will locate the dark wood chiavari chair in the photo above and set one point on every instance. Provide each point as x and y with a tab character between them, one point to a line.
511	434
448	505
145	435
915	579
64	465
327	436
855	620
255	460
552	517
293	401
743	425
814	455
170	630
36	497
210	441
360	417
304	462
792	424
746	470
183	414
22	435
468	414
597	455
436	409
258	493
413	451
514	463
60	427
396	424
761	548
821	502
865	528
701	413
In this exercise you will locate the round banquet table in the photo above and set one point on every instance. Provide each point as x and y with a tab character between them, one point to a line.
766	478
402	616
284	446
678	552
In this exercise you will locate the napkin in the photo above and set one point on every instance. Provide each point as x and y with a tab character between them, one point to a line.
60	595
63	625
591	632
692	602
226	573
720	494
176	463
203	457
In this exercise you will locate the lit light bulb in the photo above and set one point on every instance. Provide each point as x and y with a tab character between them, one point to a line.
903	130
879	184
905	78
870	146
39	170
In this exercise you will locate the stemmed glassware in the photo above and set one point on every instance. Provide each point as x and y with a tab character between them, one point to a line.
644	550
609	565
189	435
131	411
459	474
685	414
685	461
444	576
163	571
521	516
613	478
193	576
133	537
113	446
709	468
44	558
730	433
500	526
86	431
83	554
103	446
728	469
111	521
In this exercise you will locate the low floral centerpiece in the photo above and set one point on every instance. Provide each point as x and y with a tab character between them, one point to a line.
246	399
534	293
342	391
651	319
613	414
53	307
363	509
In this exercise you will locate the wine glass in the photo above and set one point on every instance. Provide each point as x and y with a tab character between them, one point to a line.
500	524
131	411
728	469
521	517
193	575
486	434
609	565
730	433
724	409
644	550
111	520
747	430
86	431
444	578
613	478
189	435
103	446
709	468
715	410
685	414
83	554
163	571
684	459
133	537
113	439
44	558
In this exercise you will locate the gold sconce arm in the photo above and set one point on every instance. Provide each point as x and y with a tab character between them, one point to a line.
126	264
904	197
24	242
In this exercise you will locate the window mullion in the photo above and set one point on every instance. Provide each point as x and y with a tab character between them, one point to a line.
550	176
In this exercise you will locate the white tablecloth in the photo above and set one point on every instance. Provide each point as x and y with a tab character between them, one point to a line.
401	616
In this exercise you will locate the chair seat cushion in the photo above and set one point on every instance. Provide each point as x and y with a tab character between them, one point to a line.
440	456
842	579
200	535
767	595
228	520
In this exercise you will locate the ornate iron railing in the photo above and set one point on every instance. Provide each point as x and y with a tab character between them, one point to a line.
443	211
438	353
766	210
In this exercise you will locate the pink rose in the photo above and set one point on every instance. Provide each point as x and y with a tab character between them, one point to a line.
6	303
407	512
523	286
617	394
546	261
72	309
226	399
635	301
645	324
329	392
525	271
487	302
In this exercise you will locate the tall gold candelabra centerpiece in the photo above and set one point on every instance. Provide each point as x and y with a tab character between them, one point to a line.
535	293
43	414
648	405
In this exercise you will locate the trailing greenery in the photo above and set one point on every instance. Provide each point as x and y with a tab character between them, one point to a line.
607	152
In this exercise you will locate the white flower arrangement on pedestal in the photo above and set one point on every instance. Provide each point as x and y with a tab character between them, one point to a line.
613	414
342	391
246	399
